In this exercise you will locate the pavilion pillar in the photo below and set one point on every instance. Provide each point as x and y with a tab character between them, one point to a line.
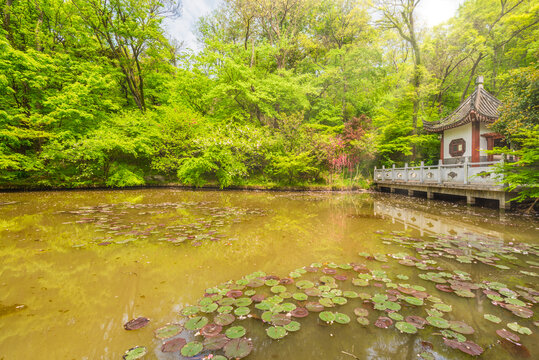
475	141
442	147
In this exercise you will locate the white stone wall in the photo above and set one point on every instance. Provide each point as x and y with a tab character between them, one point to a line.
483	129
464	132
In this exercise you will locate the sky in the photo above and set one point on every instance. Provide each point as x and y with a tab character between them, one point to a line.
431	12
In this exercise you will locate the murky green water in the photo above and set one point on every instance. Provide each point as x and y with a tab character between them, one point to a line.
76	266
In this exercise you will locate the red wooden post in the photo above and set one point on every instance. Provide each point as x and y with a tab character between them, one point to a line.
475	140
442	147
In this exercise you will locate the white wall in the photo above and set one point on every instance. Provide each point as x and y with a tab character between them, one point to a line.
483	129
464	132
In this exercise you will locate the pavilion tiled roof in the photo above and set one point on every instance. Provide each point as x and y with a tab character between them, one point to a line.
480	105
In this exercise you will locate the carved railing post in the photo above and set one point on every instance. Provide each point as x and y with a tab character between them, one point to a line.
422	173
406	172
440	171
393	173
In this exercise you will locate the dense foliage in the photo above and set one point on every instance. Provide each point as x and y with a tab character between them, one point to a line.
94	93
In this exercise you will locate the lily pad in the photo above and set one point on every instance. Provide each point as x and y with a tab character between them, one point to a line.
280	319
304	284
438	322
299	312
327	316
211	330
292	326
224	319
395	316
508	335
416	321
196	323
492	318
276	332
135	353
191	349
406	327
314	306
413	300
190	310
383	322
137	323
442	307
363	321
467	347
461	327
519	329
235	332
342	318
168	331
173	345
300	296
242	311
215	342
238	348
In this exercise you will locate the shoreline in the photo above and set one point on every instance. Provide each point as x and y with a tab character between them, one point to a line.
302	188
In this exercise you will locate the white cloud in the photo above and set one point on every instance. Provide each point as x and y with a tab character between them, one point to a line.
430	12
183	28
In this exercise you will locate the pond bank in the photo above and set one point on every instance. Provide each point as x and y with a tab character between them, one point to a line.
317	187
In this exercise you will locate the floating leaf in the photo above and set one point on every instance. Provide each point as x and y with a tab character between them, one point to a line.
173	345
168	331
508	335
314	306
299	312
417	321
450	334
461	327
235	332
342	318
209	308
137	323
406	327
216	342
225	309
242	311
438	322
304	284
363	321
280	319
211	330
196	323
383	322
442	307
278	289
190	310
224	319
238	348
293	326
300	296
492	318
135	353
339	300
191	349
327	316
395	316
519	329
362	312
276	332
413	300
467	347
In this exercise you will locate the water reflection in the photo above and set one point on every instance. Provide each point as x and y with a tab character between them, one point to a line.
80	293
429	223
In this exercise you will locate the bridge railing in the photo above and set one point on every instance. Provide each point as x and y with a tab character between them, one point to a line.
467	173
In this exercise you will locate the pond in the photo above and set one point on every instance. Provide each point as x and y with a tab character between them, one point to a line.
280	275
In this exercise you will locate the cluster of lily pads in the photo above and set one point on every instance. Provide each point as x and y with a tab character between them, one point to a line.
197	221
215	326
